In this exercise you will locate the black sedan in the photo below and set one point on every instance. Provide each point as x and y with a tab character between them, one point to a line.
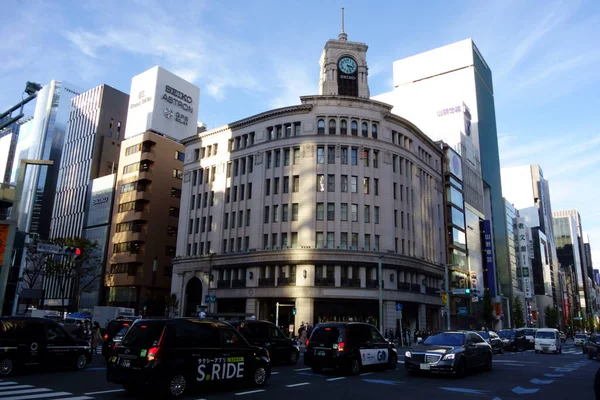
493	339
452	352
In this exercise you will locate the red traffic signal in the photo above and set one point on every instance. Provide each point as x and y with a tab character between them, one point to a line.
78	251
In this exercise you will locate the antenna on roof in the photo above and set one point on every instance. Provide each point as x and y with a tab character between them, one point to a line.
162	58
342	35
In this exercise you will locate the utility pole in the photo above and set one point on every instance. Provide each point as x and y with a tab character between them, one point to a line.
31	89
447	290
380	286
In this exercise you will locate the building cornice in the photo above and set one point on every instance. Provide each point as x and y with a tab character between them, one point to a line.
413	128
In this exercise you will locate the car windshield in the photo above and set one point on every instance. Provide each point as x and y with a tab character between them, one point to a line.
483	334
545	335
529	332
123	331
325	335
580	336
446	339
506	334
144	334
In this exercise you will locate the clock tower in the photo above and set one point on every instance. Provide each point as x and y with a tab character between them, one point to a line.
344	69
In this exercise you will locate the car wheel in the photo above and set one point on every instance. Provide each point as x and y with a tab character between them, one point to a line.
6	367
393	362
177	385
80	362
355	367
461	369
316	369
260	376
293	358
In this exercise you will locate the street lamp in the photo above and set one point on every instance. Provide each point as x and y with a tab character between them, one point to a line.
380	285
31	89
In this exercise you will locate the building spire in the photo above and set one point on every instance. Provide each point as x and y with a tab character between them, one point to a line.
342	35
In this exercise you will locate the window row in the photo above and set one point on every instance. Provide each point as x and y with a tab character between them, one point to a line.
235	244
140	186
203	175
238	222
143	166
198	249
283	130
343	155
326	240
204	152
241	142
282	185
144	147
200	227
280	213
238	167
245	191
332	128
282	240
401	140
353	184
276	157
204	199
345	209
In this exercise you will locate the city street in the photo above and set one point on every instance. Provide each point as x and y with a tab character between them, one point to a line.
515	376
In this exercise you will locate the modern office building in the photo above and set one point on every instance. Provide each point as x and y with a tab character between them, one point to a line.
299	205
163	109
448	87
525	187
95	129
569	251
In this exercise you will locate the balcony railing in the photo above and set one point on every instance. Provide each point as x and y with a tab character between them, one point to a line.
404	286
238	283
266	281
286	282
415	287
324	281
223	283
431	290
350	282
372	284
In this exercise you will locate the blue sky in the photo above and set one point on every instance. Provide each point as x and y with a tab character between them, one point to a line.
251	56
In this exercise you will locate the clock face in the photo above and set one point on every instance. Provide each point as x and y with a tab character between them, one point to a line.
347	65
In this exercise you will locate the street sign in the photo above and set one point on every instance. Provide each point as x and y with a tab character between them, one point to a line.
461	291
398	306
49	248
445	298
210	299
462	310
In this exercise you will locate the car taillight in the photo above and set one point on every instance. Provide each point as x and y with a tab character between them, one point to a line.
106	336
340	347
306	342
152	353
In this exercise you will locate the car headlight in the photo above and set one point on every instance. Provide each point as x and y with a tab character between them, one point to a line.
407	354
449	356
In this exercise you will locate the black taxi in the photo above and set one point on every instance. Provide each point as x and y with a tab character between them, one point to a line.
353	346
27	342
172	354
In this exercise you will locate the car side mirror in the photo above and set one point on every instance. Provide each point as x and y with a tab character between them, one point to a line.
470	343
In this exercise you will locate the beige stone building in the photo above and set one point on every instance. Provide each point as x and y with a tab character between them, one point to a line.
298	205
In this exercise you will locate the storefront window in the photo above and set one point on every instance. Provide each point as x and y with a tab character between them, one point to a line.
458	218
454	196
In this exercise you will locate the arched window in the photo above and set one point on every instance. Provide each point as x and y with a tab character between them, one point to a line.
354	128
321	127
332	126
365	129
344	127
374	131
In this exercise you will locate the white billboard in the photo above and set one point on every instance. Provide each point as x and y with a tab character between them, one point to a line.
162	102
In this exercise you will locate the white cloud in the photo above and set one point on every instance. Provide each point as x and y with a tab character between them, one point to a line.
292	81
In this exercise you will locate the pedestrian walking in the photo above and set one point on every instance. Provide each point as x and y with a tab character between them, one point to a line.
97	339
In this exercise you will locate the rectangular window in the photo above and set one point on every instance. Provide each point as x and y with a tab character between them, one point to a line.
240	218
344	155
288	130
354	184
375	159
320	183
210	223
344	240
367	214
265	241
284	212
395	189
194	177
296	156
242	192
197	226
274	240
330	211
354	156
199	202
354	241
354	212
203	228
249	190
212	198
331	243
277	158
227	195
177	173
376	244
320	155
243	166
295	212
225	220
296	184
191	226
344	211
228	173
376	214
128	187
367	242
276	186
131	168
344	183
286	184
286	157
236	167
366	185
179	155
248	217
284	240
174	212
366	157
294	240
232	220
376	186
250	164
276	213
269	159
234	193
331	183
330	155
266	215
297	129
320	211
267	187
319	243
193	202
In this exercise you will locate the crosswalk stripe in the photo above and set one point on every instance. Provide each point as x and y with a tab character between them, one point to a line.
15	387
77	398
37	396
24	391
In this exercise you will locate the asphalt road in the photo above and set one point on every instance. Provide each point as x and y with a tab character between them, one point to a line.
514	376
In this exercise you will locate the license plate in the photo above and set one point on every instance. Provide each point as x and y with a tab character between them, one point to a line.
545	349
425	367
320	353
113	359
125	363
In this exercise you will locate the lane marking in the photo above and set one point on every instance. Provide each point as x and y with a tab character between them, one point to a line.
367	373
517	361
77	398
274	372
464	390
541	382
522	390
302	369
306	373
381	381
249	392
298	384
516	365
335	379
553	375
96	369
15	387
105	391
38	396
25	391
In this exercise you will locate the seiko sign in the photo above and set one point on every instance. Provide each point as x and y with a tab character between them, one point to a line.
100	200
350	77
142	98
175	97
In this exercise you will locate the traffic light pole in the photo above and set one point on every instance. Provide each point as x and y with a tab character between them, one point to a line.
447	279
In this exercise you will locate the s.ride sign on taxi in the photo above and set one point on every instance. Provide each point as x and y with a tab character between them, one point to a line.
220	369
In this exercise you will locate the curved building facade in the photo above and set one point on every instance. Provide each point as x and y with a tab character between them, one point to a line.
299	205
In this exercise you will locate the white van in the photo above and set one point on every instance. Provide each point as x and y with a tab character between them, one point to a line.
548	340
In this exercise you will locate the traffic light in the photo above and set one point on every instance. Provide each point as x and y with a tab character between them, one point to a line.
72	251
467	291
294	311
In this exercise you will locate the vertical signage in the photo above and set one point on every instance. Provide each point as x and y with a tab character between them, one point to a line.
488	252
524	250
3	240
